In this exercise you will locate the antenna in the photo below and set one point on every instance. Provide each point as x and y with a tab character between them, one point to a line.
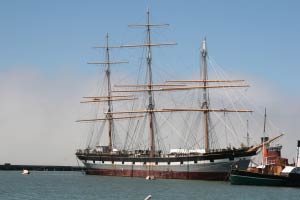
265	120
298	154
248	139
264	150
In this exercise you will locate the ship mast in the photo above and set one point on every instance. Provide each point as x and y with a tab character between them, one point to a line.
151	105
149	82
109	115
109	98
205	107
205	97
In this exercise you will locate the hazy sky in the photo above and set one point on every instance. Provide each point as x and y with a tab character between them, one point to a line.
44	47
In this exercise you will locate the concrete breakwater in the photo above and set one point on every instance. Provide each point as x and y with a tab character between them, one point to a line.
8	166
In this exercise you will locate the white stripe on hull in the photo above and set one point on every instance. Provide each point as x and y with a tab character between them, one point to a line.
221	165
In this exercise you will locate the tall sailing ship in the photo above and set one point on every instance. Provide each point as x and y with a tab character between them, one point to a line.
206	163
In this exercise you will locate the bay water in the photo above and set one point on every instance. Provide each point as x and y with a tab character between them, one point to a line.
77	186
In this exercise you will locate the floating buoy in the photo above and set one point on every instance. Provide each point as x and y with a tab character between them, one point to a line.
148	197
25	172
150	177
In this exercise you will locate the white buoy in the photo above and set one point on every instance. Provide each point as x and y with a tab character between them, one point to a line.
148	197
150	177
25	172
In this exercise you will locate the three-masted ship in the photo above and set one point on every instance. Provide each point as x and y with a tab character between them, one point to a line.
206	163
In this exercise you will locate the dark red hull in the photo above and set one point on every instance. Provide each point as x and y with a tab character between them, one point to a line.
160	174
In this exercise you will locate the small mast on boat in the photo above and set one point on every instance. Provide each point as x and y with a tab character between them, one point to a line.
298	154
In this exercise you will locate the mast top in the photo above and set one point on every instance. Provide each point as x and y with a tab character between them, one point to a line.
204	45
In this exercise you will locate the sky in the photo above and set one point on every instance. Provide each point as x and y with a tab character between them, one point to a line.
45	46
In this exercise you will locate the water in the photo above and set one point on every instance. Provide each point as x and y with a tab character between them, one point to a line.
75	185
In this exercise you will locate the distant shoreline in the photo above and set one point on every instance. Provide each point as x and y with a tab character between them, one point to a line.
10	167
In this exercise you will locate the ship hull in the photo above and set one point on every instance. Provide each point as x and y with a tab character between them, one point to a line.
241	177
238	177
160	174
193	171
212	167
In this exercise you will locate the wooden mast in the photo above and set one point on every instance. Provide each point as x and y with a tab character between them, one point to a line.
109	98
182	88
109	103
205	97
150	93
200	81
151	103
